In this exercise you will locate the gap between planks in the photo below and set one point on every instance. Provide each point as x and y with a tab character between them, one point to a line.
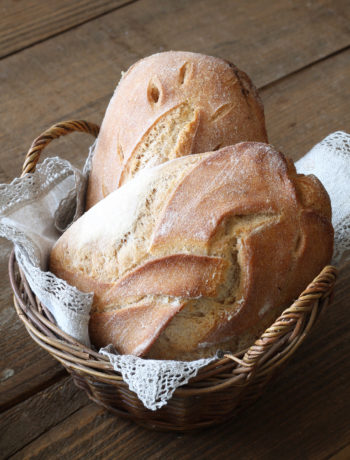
34	390
272	84
67	29
265	93
326	341
306	66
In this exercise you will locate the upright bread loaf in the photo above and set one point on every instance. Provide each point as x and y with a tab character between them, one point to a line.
199	253
169	105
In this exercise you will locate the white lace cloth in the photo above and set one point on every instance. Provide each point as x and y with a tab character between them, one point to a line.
34	211
154	381
330	162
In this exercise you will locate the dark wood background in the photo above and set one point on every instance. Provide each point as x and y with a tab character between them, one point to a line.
61	60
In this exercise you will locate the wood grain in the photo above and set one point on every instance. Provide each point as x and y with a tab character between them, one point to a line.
303	109
303	414
24	23
26	421
75	73
311	394
24	367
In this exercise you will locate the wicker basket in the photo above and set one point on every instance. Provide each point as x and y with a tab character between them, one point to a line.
216	392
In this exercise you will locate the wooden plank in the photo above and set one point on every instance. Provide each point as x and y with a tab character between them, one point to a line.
36	415
75	73
302	110
24	367
24	23
311	395
303	414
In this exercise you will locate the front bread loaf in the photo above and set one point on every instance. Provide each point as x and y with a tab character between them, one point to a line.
199	253
169	105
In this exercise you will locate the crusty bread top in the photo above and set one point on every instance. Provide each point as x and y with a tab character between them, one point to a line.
168	105
198	252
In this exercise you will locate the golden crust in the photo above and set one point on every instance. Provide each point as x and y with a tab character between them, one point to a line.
178	275
197	103
245	179
233	242
131	329
277	257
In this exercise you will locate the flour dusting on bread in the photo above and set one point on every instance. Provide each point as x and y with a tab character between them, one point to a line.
169	105
178	257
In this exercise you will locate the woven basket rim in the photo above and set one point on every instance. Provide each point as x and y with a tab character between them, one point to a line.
271	350
274	346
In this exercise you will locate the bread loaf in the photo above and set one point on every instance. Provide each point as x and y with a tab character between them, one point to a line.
199	253
169	105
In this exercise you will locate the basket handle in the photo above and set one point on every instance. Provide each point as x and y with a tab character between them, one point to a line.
59	129
319	289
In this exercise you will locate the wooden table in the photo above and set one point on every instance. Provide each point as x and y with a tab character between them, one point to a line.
61	60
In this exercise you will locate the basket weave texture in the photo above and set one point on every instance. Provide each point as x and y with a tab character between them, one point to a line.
217	391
